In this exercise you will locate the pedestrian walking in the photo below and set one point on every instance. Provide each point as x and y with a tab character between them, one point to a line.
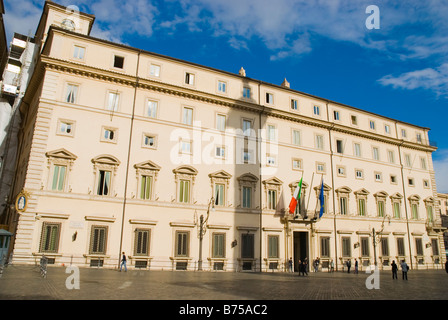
305	266
123	263
356	266
331	266
404	269
348	264
290	265
394	270
301	268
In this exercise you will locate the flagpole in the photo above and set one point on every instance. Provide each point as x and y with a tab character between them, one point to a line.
309	196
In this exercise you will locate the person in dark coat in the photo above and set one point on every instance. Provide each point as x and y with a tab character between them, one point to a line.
349	264
394	270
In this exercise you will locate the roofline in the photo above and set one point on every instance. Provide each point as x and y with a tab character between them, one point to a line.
328	101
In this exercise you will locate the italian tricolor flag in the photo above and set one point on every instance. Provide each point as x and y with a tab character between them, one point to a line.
295	198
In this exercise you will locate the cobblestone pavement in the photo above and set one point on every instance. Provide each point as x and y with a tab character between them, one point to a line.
20	282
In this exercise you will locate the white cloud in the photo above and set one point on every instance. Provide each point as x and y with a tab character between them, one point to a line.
22	16
430	79
440	159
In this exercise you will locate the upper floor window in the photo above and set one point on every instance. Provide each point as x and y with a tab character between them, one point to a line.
316	110
354	120
403	133
71	93
187	116
372	124
246	93
60	163
247	127
112	101
118	62
336	115
151	110
222	87
221	122
271	134
269	98
79	52
339	146
319	142
189	78
419	137
154	70
294	104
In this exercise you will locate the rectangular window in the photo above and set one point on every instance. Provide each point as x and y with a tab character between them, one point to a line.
435	247
336	115
429	213
71	94
189	78
65	128
419	138
380	208
339	146
316	110
58	178
343	205
152	109
272	199
319	142
112	101
154	70
376	153
149	141
362	207
385	247
145	187
50	237
296	137
393	179
247	197
246	93
372	125
220	152
378	177
118	62
247	246
269	98
218	245
359	174
346	247
294	104
273	247
219	194
247	127
296	164
407	159
221	122
403	133
187	116
423	163
246	156
400	247
271	133
184	191
109	134
320	167
365	249
387	128
141	245
391	156
182	243
419	246
357	147
222	87
271	160
78	52
325	247
411	182
397	213
98	239
103	183
354	120
341	171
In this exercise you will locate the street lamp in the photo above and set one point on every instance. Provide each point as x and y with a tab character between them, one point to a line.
203	229
377	239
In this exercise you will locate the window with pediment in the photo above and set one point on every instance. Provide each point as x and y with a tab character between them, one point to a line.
414	204
184	177
361	200
59	165
343	196
105	169
247	186
380	198
396	204
327	190
146	175
429	204
272	191
301	207
220	185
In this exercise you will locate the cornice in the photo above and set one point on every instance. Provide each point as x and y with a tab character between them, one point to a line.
83	70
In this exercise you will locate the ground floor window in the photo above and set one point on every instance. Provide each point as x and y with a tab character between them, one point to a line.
141	246
50	237
247	246
98	240
182	243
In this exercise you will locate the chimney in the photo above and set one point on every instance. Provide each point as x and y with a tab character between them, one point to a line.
285	83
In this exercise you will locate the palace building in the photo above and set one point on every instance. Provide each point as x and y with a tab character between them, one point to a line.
185	167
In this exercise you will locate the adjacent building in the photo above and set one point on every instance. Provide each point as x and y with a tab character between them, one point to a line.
185	167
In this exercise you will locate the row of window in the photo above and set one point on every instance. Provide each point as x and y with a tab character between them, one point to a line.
50	238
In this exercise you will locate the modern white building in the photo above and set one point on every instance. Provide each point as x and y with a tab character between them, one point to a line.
185	167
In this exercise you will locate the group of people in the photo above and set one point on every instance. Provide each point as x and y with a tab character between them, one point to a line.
303	266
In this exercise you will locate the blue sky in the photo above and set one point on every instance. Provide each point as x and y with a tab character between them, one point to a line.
321	47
